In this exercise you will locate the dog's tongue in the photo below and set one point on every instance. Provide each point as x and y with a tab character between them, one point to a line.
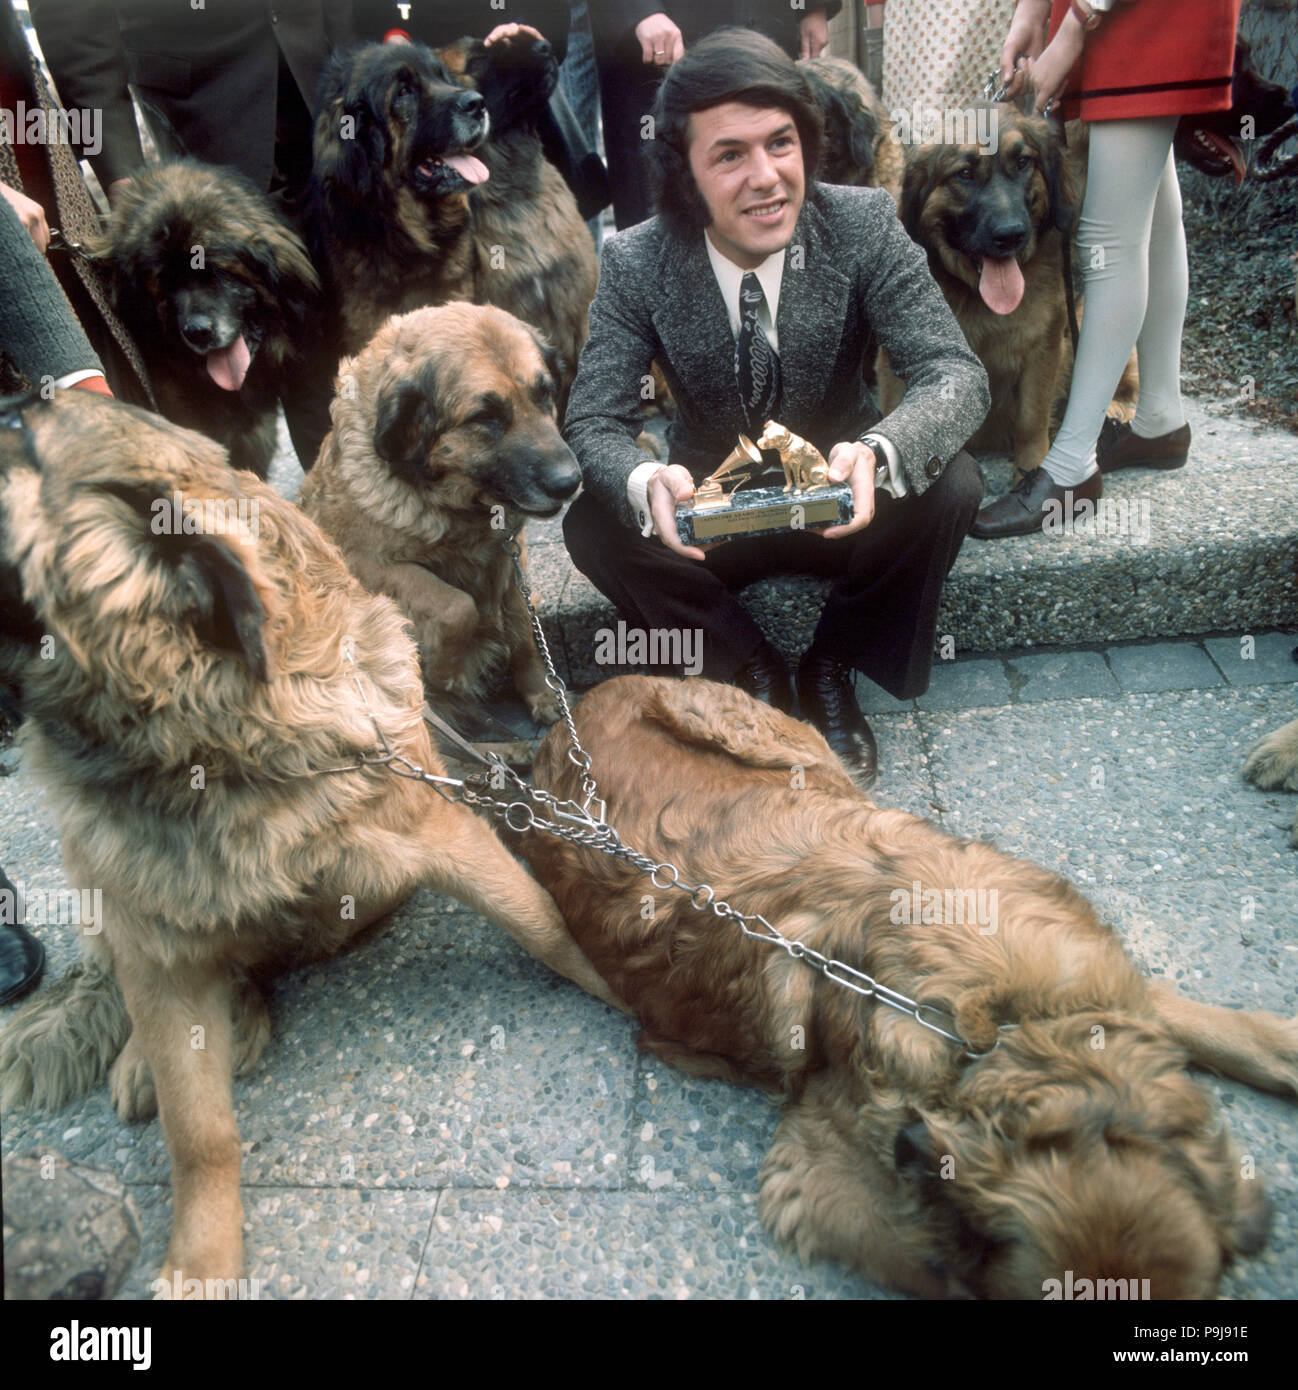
1226	150
1001	285
228	366
470	169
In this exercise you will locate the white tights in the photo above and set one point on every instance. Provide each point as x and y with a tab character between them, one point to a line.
1132	246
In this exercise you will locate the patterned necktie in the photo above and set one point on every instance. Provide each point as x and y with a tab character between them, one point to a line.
757	368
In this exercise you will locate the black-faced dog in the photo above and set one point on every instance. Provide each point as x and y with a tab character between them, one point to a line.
445	429
395	157
1210	142
996	224
218	291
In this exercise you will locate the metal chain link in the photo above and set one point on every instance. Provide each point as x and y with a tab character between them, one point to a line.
578	825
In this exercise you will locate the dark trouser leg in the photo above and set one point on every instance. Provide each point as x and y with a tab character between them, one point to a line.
881	615
626	93
653	587
307	394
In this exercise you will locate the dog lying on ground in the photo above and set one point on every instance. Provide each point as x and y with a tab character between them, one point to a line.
532	254
202	728
1074	1142
996	226
859	147
444	434
220	337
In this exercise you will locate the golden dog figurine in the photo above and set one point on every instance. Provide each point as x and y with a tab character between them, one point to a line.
804	464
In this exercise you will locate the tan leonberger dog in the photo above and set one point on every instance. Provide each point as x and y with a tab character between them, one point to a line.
996	225
1073	1140
443	440
200	708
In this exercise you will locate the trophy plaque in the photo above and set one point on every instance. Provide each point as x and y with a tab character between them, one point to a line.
719	511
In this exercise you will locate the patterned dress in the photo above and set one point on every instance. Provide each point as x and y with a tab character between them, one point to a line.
939	52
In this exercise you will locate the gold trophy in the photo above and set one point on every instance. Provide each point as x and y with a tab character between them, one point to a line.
808	499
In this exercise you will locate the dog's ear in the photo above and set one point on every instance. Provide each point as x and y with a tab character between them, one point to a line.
1059	179
850	130
555	362
405	425
283	275
915	189
211	578
350	140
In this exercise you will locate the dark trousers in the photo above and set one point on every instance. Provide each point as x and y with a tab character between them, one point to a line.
880	616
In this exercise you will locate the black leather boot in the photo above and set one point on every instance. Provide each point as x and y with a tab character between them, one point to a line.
827	699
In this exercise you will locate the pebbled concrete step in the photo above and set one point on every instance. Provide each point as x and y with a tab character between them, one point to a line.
1208	548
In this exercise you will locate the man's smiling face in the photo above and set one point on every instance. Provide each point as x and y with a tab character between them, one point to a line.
747	163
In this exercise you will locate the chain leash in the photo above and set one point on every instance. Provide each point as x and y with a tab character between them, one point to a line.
578	825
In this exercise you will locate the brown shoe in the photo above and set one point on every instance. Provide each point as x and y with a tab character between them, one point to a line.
1119	446
1023	509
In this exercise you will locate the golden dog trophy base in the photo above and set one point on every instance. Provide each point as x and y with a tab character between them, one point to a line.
806	501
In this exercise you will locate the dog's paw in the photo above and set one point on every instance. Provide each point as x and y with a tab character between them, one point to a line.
544	707
130	1083
1272	762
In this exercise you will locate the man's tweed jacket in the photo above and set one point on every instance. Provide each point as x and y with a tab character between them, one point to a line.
849	268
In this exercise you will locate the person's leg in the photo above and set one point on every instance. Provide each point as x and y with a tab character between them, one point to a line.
881	615
1126	171
1158	349
654	588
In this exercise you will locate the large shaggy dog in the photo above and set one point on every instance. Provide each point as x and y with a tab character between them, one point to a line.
996	225
1074	1140
532	254
429	185
860	145
202	725
443	434
396	150
218	291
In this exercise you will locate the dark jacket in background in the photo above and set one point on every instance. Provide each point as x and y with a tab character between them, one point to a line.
439	22
627	85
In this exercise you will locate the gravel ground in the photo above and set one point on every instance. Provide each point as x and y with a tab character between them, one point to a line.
1241	334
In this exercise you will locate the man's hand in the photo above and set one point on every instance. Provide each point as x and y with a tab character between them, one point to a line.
813	33
667	488
853	462
1048	73
30	214
1026	39
508	32
660	41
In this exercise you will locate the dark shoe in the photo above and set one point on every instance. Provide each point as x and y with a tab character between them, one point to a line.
1023	509
22	962
765	677
828	701
22	957
1119	446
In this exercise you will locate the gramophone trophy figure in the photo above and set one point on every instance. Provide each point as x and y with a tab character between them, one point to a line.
808	499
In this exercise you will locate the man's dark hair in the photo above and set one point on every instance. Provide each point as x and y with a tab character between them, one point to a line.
729	65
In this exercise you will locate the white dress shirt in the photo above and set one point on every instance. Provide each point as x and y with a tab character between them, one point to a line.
770	275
